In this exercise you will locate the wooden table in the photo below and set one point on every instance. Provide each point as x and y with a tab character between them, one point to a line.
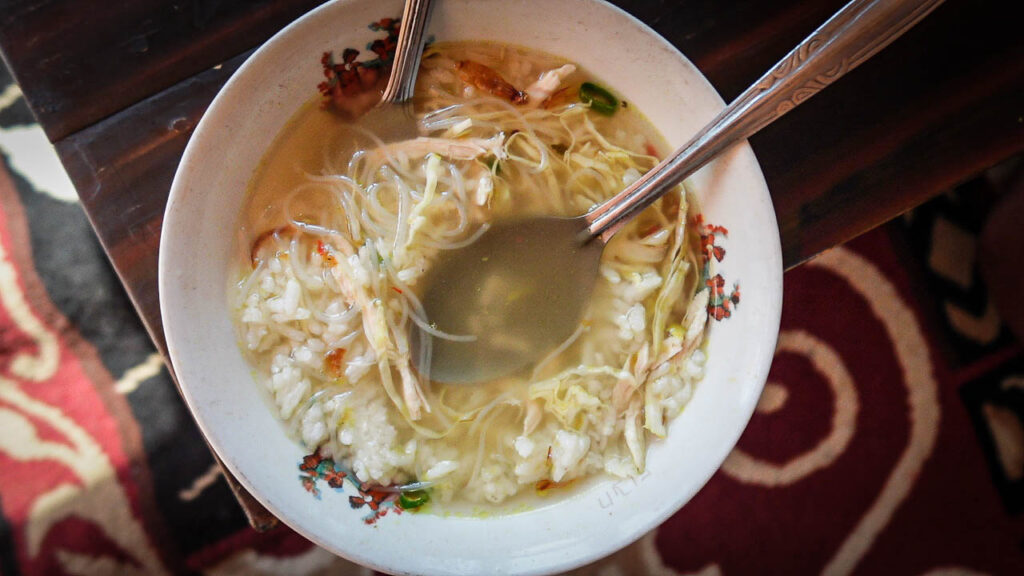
118	88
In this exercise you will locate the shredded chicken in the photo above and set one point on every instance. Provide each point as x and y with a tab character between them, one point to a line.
375	327
456	149
548	83
631	380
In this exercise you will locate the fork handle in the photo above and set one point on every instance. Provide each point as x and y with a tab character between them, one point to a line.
851	36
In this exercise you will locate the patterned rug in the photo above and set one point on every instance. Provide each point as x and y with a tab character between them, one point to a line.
889	439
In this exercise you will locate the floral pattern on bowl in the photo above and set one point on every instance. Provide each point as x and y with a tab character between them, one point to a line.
720	304
378	501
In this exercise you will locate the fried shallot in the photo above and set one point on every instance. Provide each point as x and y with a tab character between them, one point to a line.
486	79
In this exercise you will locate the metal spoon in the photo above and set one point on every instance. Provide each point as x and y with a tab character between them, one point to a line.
392	119
522	288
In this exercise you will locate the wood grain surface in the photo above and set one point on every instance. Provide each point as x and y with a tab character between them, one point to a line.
79	61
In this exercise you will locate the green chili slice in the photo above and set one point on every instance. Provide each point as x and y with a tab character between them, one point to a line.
413	499
599	99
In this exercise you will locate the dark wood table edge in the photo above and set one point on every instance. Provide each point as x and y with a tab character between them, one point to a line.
256	514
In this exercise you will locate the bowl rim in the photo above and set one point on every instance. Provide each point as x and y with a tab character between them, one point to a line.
171	327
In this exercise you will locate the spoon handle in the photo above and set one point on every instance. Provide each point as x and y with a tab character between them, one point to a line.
851	36
408	51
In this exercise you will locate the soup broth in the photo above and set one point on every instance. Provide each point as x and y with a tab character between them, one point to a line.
340	227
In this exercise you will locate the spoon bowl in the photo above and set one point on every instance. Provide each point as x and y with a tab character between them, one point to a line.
505	301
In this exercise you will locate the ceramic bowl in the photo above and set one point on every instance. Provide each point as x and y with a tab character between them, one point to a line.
594	520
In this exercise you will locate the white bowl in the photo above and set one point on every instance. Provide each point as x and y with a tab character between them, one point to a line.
602	516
